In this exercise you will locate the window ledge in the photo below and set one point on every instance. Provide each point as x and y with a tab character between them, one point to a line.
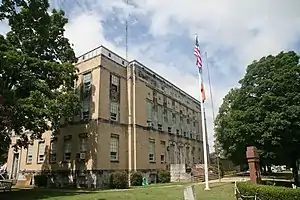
114	161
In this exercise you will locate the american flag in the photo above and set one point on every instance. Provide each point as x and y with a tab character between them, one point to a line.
198	55
199	65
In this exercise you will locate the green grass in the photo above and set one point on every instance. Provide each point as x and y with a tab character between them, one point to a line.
220	191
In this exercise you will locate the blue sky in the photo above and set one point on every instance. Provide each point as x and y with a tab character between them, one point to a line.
161	35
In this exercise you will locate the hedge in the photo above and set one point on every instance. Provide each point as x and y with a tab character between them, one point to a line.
136	178
268	192
118	180
40	180
163	176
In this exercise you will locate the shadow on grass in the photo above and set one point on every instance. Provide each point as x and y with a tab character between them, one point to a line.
221	185
40	194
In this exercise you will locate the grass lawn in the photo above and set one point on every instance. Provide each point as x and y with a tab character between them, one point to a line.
220	191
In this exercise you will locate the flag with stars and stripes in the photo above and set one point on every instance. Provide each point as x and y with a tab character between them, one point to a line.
199	65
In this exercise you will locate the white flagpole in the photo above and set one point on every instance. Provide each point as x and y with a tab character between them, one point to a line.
204	136
203	132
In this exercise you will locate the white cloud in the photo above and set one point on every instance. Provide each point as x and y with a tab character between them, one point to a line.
244	30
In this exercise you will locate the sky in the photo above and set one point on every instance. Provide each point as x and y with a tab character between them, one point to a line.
161	35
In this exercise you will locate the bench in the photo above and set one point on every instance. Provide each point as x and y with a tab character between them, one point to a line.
5	185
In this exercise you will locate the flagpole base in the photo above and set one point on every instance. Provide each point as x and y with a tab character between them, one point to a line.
206	189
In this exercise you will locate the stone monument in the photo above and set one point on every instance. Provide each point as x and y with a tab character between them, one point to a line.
253	162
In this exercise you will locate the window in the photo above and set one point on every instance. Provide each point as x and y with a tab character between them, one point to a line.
172	154
114	110
149	111
29	154
193	154
179	155
163	151
114	86
159	127
165	114
114	147
174	118
170	117
114	80
53	150
151	150
160	114
67	150
87	78
83	145
41	152
187	156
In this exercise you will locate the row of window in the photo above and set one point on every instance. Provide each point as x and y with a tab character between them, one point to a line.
114	151
165	88
67	149
40	153
161	113
176	155
164	114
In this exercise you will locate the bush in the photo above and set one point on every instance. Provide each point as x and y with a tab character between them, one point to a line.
136	178
40	180
163	176
118	180
268	192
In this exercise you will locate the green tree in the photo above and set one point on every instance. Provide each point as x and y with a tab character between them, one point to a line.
264	111
37	74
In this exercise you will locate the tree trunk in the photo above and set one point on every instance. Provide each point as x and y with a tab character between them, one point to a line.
295	171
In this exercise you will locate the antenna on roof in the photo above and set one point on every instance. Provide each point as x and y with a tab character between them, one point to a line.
126	35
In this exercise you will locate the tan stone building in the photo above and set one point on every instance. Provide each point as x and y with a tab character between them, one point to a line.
131	119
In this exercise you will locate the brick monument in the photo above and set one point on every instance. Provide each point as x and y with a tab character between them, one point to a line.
253	162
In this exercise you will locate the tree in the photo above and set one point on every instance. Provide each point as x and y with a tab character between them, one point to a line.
264	111
37	74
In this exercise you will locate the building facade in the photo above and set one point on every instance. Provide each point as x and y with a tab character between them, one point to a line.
131	119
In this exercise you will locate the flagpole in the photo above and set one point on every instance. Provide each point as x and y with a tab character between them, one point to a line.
213	115
204	137
202	97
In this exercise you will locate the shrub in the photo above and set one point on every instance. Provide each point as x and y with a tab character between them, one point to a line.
40	180
118	180
136	178
268	192
163	176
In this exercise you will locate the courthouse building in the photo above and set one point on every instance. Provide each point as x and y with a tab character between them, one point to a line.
131	119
